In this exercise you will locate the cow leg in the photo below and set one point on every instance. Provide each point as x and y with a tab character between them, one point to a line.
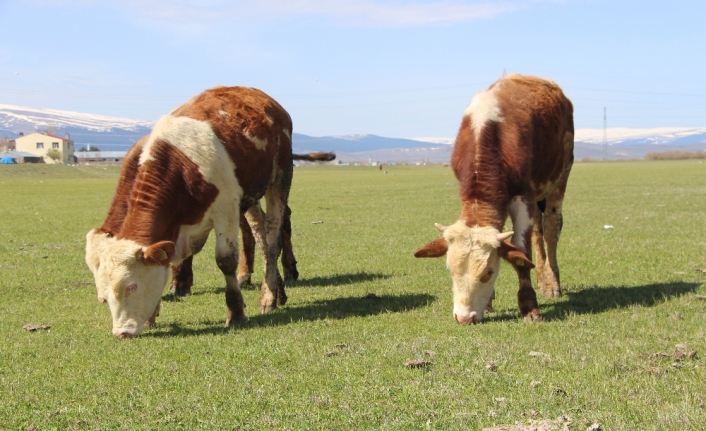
553	223
522	211
182	277
227	259
247	254
289	263
183	274
272	294
257	220
540	252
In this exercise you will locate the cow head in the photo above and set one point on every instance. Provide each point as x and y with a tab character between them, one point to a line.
473	257
132	278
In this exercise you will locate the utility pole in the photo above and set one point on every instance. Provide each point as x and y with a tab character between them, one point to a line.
605	134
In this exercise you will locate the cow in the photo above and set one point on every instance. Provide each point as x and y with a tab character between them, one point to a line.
201	166
182	274
512	156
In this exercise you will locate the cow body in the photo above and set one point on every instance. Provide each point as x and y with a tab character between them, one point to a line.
514	150
200	167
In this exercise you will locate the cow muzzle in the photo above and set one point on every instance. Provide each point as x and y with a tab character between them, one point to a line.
466	320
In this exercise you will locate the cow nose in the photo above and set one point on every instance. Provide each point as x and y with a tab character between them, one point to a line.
124	335
465	320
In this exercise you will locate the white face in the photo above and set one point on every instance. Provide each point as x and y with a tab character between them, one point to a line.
473	260
133	290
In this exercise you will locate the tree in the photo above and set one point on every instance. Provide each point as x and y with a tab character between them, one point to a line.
54	154
88	147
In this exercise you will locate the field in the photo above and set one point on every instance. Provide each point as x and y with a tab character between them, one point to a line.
615	350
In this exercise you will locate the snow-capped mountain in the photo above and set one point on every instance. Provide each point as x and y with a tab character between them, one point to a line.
104	132
28	119
672	136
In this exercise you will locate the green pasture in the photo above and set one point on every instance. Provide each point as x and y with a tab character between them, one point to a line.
616	349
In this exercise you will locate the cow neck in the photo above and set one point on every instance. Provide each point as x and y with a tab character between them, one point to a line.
169	192
479	213
477	163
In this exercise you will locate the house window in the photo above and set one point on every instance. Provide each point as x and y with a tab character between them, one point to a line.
55	145
40	145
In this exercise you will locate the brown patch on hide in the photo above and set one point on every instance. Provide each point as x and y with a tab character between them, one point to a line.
169	191
239	116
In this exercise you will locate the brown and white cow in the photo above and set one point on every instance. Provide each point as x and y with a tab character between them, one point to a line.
201	165
513	155
182	274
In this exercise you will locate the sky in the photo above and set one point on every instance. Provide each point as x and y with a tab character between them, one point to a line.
399	68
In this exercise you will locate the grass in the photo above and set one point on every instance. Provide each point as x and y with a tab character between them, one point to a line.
334	357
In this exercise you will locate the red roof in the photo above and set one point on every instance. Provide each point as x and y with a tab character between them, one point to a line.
53	136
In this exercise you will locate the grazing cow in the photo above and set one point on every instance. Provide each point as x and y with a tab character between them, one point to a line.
203	164
513	155
182	274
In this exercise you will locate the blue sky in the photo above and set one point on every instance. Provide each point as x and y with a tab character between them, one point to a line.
403	68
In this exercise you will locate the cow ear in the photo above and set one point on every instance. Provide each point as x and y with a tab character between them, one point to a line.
514	255
436	248
160	253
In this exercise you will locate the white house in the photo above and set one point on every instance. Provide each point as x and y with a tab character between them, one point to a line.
39	143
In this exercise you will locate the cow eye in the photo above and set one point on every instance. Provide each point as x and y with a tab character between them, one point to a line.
130	288
487	276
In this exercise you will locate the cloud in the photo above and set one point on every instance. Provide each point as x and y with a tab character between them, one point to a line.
371	13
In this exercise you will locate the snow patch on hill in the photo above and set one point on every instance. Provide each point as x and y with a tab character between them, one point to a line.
25	119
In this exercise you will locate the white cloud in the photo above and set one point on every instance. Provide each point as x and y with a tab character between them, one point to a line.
349	12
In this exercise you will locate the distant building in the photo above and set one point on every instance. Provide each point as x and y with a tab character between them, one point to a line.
39	143
19	157
100	156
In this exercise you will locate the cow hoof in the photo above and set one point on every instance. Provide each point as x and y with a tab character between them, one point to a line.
233	321
267	308
533	316
290	276
281	299
244	280
551	293
180	290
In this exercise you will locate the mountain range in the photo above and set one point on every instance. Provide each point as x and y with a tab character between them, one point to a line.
119	134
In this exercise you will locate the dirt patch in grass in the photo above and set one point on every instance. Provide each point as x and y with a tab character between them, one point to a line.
560	424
